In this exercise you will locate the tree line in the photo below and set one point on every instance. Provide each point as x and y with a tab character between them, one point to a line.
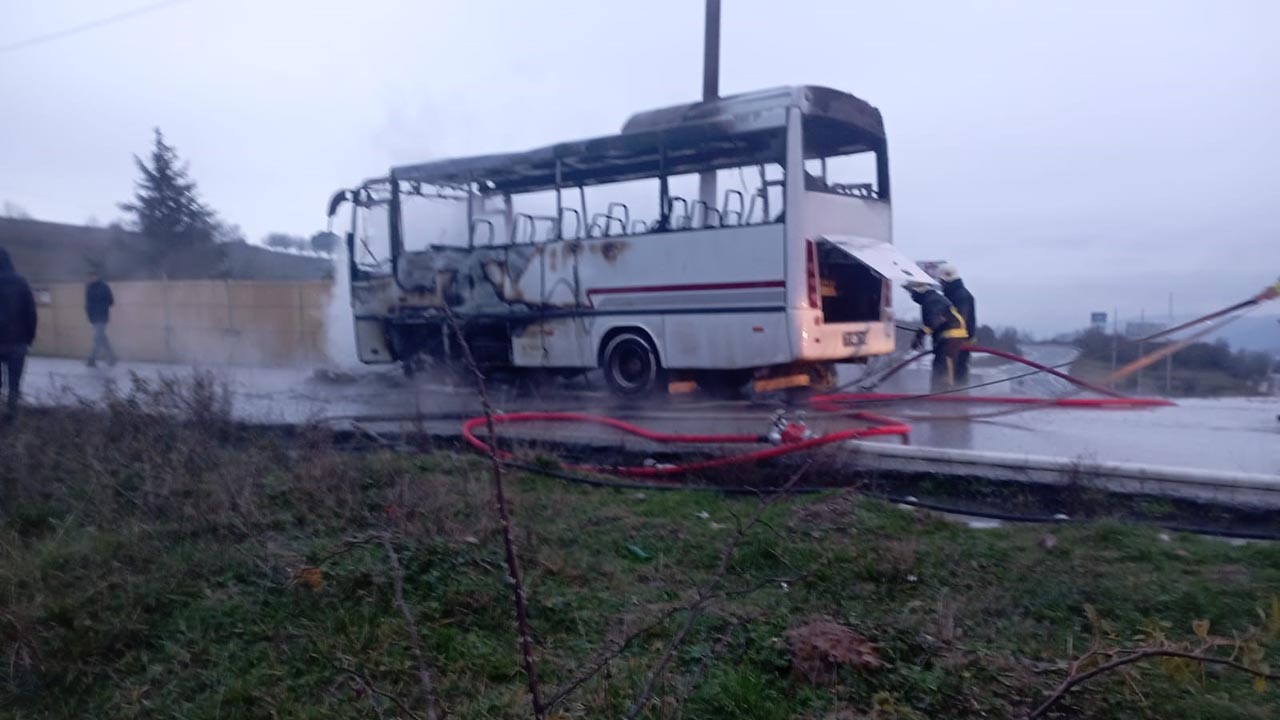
1199	368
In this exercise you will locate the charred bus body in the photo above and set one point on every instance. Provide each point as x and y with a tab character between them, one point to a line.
593	254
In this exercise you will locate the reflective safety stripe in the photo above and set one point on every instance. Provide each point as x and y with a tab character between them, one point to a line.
960	332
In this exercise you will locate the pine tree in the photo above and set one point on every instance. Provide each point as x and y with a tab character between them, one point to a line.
325	243
166	208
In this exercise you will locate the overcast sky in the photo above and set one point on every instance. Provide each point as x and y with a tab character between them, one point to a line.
1067	156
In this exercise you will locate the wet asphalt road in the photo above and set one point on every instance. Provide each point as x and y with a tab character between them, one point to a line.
1240	435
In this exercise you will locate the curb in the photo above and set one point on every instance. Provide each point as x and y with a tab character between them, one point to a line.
1238	489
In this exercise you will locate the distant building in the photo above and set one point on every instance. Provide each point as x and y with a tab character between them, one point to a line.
47	252
1142	328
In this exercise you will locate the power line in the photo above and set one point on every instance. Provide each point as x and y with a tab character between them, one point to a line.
110	20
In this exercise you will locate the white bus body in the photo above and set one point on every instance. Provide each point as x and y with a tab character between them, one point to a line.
789	274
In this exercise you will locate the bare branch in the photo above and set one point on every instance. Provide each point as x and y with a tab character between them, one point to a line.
1074	679
368	688
345	547
415	639
703	664
608	657
668	655
508	539
368	685
767	582
707	593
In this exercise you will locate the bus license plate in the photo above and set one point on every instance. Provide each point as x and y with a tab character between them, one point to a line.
855	338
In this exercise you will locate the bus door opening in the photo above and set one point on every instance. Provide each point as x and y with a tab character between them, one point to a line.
850	291
855	274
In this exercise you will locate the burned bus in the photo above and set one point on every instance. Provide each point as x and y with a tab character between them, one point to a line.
609	253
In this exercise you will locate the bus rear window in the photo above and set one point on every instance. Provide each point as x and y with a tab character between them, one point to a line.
839	159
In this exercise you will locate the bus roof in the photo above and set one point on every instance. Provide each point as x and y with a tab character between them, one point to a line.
726	132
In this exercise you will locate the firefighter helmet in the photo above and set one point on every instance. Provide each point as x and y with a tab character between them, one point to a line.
948	272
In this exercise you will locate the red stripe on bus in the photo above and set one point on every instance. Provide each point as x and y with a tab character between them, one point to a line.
688	288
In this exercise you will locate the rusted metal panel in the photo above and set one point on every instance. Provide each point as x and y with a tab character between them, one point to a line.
762	109
727	132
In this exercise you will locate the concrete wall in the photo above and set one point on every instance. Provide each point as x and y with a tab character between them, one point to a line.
210	322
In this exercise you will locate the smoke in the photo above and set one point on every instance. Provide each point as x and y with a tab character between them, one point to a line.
339	329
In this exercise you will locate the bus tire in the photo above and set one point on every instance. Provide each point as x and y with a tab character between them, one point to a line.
630	364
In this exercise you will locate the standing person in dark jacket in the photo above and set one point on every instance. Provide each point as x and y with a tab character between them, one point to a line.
940	320
959	295
97	305
17	327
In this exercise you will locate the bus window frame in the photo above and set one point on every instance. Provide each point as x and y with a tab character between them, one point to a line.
852	142
760	150
362	200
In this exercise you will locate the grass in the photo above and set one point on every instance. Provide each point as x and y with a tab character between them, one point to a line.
153	556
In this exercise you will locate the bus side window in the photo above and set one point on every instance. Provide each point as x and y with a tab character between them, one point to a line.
436	219
614	209
534	214
743	195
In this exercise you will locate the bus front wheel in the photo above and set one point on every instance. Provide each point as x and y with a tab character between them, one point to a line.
631	366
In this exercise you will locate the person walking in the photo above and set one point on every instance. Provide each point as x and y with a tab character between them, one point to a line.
940	320
17	329
954	289
97	305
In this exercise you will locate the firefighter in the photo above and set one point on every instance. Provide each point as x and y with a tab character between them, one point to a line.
959	295
940	320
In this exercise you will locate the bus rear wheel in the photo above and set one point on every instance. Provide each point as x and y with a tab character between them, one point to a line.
631	366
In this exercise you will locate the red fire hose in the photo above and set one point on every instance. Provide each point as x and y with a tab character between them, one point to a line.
794	437
832	402
1043	368
1084	385
880	426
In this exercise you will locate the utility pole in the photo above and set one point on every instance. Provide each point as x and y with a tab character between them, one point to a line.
1273	387
710	90
1168	361
1142	347
1115	337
